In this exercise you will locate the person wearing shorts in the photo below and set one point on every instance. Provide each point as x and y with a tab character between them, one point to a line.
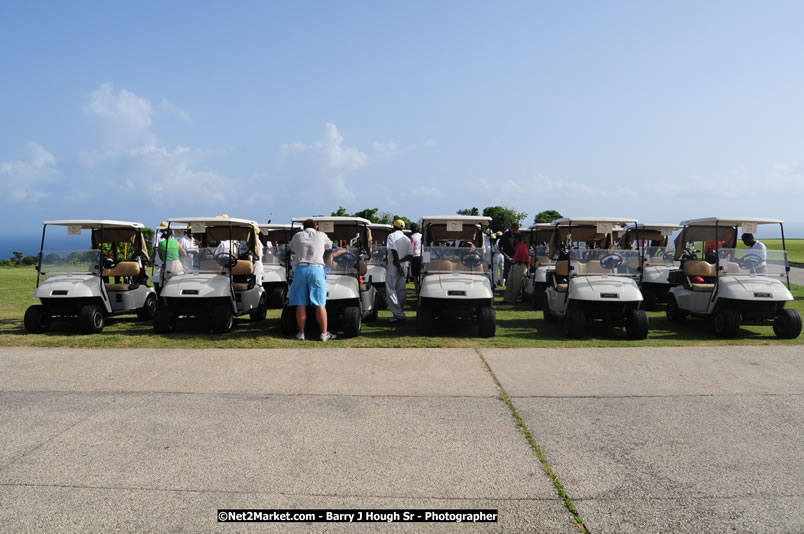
309	286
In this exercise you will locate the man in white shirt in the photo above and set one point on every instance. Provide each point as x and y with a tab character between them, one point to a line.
416	260
188	242
399	248
309	280
756	248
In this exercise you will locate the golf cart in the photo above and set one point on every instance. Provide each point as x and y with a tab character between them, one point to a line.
375	273
593	282
350	301
538	238
732	286
275	264
218	282
92	283
456	280
652	241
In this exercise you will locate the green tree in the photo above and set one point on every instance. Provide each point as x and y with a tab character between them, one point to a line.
17	259
469	211
546	216
502	218
370	214
340	213
29	260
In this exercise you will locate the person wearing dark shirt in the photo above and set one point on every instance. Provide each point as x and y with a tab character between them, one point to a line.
508	249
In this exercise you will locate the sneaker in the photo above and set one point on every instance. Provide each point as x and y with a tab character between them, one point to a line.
326	336
300	336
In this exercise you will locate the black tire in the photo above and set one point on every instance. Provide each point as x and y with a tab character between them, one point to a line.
352	321
673	313
575	323
380	299
538	299
371	317
91	319
287	321
221	318
548	316
424	320
37	319
727	322
487	321
786	325
649	298
636	324
164	320
146	313
258	313
276	298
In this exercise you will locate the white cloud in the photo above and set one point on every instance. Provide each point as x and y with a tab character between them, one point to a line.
26	179
124	117
172	109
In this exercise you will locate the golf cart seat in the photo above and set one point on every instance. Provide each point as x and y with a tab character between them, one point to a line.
562	272
701	268
241	272
591	267
362	268
441	265
128	269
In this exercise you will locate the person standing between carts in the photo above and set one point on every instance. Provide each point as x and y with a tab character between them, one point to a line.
508	248
519	269
309	280
399	246
416	260
170	252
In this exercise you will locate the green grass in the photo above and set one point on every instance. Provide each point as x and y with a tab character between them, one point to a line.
794	247
517	326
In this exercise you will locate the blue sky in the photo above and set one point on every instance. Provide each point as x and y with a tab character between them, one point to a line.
147	110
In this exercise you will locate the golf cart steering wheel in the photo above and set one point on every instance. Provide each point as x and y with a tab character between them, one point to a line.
611	261
346	260
226	259
689	254
749	261
473	259
668	257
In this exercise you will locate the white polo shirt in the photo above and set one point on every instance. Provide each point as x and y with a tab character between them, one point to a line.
399	242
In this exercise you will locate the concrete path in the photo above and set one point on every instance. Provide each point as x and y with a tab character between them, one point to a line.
797	276
643	440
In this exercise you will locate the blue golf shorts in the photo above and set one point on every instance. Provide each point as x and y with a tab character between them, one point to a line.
309	286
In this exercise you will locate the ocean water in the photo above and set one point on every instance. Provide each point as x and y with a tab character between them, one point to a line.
29	244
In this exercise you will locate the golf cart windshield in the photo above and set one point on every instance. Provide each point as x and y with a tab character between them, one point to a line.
342	262
454	259
275	255
378	255
752	262
657	256
74	261
601	261
205	260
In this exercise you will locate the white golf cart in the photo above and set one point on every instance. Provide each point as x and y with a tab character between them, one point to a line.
276	267
218	282
378	261
653	243
456	278
538	238
92	283
350	301
732	286
593	282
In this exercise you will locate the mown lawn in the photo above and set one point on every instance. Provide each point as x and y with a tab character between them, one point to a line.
517	326
794	247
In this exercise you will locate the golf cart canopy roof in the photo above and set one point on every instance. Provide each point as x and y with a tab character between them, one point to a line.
214	221
281	233
659	234
226	228
477	219
729	221
619	221
87	224
336	220
541	233
272	226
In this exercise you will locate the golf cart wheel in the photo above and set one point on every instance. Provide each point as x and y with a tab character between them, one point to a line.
636	324
538	299
91	319
487	321
148	308
164	320
371	317
287	322
351	321
424	320
786	325
221	318
277	297
727	322
37	319
258	313
575	323
548	316
380	300
674	314
649	299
